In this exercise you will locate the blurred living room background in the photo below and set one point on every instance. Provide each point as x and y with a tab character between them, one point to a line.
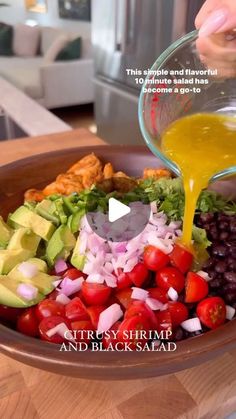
63	62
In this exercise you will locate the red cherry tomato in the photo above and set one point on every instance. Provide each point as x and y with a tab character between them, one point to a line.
49	323
84	331
76	310
139	274
124	297
159	294
27	323
95	294
181	258
212	312
178	312
109	338
130	329
154	258
123	279
170	277
139	308
53	295
94	313
74	273
48	308
10	314
164	321
196	288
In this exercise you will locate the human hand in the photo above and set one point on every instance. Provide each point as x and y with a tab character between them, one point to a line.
216	43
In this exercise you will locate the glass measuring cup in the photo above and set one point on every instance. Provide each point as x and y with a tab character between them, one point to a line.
158	110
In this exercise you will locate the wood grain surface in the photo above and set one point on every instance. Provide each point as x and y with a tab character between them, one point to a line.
204	392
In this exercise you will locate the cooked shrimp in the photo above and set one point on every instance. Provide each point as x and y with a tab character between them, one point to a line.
84	164
34	195
108	171
156	173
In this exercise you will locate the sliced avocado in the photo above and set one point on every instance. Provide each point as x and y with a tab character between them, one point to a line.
10	297
9	258
60	245
5	233
24	239
74	220
27	218
78	260
47	209
42	281
40	265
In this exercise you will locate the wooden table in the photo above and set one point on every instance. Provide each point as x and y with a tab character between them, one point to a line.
207	391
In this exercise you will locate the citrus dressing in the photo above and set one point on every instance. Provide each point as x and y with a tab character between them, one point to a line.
201	145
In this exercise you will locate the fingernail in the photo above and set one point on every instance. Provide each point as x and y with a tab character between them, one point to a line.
213	23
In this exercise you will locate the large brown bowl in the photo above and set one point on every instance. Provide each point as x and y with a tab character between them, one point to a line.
37	171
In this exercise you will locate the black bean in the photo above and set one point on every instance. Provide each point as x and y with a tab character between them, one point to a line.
219	250
216	283
232	251
230	297
230	276
232	265
178	334
206	217
222	217
223	225
232	226
221	267
209	263
224	235
230	286
212	274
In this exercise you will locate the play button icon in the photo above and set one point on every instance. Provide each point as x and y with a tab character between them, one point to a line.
116	210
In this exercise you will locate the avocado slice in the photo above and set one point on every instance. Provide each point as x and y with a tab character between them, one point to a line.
10	297
27	218
24	239
5	233
41	280
9	258
39	263
47	209
60	245
78	260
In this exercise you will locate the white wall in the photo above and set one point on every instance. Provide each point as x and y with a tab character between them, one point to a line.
17	13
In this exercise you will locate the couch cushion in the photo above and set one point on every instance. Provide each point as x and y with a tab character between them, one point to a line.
23	73
48	36
26	40
6	39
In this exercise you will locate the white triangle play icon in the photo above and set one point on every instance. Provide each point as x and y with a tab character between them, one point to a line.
116	210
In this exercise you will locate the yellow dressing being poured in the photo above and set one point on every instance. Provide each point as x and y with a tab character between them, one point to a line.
201	145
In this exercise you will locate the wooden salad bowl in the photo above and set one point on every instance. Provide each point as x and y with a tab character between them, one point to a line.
36	172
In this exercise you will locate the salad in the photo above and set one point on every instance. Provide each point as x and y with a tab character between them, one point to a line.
57	276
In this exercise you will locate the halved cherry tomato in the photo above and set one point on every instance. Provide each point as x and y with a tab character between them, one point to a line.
139	274
163	321
154	258
49	323
76	310
124	297
212	312
170	277
159	294
178	312
130	329
27	323
123	279
95	294
181	258
94	313
109	338
74	273
48	307
10	314
139	308
196	288
83	330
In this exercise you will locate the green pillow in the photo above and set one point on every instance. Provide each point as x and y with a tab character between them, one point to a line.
72	51
6	38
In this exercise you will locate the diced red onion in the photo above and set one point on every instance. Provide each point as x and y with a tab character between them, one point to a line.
60	329
63	299
69	286
56	283
154	304
27	291
230	312
204	275
60	266
29	270
139	294
172	294
108	317
111	280
95	278
192	325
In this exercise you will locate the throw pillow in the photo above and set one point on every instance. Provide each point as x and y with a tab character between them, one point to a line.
6	39
55	48
26	40
72	51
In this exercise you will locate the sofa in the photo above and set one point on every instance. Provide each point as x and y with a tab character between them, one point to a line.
52	83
